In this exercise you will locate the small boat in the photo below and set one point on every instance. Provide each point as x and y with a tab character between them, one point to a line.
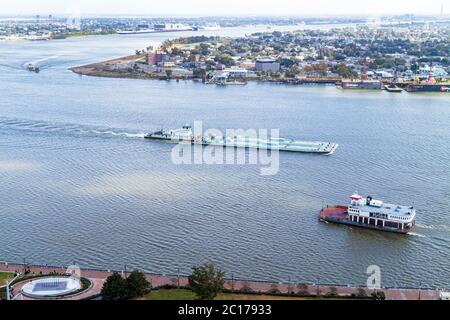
393	88
32	68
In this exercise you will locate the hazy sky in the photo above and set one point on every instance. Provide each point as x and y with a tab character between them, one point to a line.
223	7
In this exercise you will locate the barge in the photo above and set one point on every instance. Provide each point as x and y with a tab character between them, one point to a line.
186	135
371	214
361	85
431	85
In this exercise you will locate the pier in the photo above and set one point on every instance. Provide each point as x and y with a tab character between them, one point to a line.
98	277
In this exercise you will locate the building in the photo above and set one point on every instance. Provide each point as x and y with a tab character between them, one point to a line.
236	73
155	57
267	65
249	65
384	75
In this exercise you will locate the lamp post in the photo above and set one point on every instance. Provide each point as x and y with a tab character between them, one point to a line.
318	287
232	282
420	286
289	285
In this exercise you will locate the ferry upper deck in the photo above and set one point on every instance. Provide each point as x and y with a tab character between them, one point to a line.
377	208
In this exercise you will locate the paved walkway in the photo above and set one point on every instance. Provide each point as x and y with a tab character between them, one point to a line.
98	278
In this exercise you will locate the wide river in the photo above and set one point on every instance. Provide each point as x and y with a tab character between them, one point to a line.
79	183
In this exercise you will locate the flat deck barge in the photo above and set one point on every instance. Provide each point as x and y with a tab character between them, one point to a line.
186	135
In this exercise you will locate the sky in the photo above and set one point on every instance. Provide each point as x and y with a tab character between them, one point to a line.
223	7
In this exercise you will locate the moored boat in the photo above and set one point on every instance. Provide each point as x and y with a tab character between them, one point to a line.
431	85
428	87
393	88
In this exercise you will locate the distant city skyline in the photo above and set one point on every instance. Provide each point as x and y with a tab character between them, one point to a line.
228	8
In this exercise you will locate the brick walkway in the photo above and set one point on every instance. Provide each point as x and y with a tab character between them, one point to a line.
98	278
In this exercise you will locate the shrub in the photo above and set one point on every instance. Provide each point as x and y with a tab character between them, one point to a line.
206	281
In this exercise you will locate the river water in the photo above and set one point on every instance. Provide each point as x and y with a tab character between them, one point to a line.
80	184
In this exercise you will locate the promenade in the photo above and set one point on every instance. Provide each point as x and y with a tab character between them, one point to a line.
99	276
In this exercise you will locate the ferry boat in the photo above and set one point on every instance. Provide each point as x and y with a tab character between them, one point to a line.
185	134
371	214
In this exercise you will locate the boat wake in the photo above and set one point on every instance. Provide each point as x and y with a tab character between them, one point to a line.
10	67
434	227
416	235
43	63
34	126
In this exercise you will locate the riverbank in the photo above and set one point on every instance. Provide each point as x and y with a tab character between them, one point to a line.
133	67
115	68
240	286
130	67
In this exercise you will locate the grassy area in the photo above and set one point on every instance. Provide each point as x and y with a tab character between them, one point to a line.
61	36
170	294
5	276
183	294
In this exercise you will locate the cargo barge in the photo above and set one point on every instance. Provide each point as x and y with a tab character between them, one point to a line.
361	85
186	135
427	87
371	214
431	85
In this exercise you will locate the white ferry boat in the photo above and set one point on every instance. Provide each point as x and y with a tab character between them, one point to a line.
280	144
372	214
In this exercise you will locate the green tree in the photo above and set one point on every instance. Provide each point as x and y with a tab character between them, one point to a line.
167	44
206	281
344	71
137	284
115	288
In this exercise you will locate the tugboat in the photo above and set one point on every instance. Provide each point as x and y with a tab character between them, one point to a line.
371	214
176	135
32	68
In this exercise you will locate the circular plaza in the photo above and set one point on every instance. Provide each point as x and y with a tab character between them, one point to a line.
51	287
